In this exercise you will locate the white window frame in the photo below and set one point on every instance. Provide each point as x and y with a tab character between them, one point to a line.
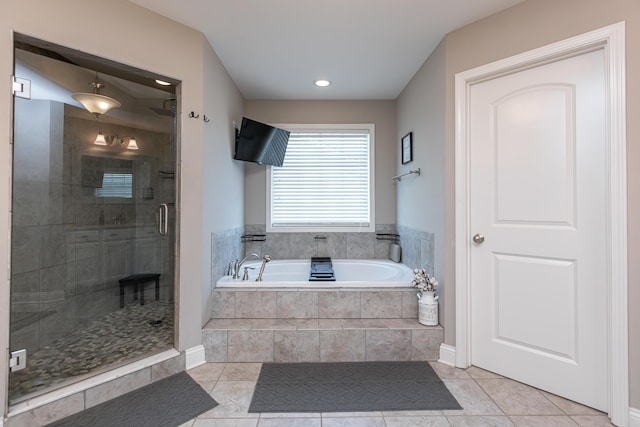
368	127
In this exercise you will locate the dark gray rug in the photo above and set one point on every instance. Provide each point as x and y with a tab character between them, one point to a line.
169	402
350	387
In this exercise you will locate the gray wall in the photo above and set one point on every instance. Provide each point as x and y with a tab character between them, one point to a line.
222	177
380	113
421	208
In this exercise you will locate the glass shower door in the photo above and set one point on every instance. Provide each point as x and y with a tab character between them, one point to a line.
93	228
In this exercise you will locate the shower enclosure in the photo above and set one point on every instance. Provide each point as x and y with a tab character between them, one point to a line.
93	220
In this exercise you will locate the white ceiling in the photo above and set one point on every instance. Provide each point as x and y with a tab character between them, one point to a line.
368	49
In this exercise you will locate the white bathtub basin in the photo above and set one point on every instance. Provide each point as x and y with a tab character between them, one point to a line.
349	273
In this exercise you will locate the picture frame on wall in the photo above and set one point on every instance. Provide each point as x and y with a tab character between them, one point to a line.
407	148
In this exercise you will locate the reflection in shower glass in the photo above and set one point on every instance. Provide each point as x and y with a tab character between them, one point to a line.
116	185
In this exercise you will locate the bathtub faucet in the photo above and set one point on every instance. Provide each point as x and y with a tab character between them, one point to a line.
265	260
238	265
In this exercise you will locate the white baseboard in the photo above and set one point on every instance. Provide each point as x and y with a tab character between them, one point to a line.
194	356
634	417
447	354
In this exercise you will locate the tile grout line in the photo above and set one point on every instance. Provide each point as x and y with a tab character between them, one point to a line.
523	415
491	398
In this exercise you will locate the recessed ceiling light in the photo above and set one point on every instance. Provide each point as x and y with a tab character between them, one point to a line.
322	83
163	83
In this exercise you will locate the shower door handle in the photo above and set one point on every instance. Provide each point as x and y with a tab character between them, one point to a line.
163	219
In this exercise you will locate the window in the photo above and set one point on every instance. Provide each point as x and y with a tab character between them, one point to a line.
116	185
325	183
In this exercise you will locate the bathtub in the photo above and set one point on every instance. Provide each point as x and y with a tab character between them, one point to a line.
350	273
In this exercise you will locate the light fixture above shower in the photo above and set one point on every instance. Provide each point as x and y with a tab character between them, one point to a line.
95	102
104	140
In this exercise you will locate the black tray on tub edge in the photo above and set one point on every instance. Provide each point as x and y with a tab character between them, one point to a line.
321	270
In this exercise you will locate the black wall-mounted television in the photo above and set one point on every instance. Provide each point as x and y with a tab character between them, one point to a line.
260	143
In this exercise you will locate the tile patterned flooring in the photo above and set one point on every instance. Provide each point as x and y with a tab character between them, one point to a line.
115	338
488	400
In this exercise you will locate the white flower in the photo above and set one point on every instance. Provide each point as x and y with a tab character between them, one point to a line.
423	281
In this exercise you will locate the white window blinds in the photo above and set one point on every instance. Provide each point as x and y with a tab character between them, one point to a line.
325	180
116	185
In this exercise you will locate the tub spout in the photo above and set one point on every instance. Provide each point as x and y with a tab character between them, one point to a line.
265	260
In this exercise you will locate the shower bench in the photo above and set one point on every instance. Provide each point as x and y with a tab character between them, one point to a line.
139	280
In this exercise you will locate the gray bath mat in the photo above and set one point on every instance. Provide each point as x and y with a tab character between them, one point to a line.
350	387
166	403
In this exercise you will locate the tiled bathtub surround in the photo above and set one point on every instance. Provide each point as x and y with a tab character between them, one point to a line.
310	325
417	248
225	247
256	303
304	245
254	325
319	340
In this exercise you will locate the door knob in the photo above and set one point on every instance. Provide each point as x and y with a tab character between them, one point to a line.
478	238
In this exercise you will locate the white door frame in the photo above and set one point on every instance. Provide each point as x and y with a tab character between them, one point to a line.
612	39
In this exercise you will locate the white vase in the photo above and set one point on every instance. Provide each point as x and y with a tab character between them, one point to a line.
428	308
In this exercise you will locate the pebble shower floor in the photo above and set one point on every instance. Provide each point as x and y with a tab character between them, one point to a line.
123	335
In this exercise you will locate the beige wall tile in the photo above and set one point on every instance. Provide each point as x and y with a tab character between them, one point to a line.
168	367
296	346
250	346
342	346
215	345
118	387
256	305
223	305
425	344
388	345
381	305
297	305
48	413
339	305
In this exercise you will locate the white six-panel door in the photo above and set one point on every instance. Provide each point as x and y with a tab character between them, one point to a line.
537	195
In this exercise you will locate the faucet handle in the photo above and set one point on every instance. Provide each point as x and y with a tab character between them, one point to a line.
236	268
230	269
245	276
